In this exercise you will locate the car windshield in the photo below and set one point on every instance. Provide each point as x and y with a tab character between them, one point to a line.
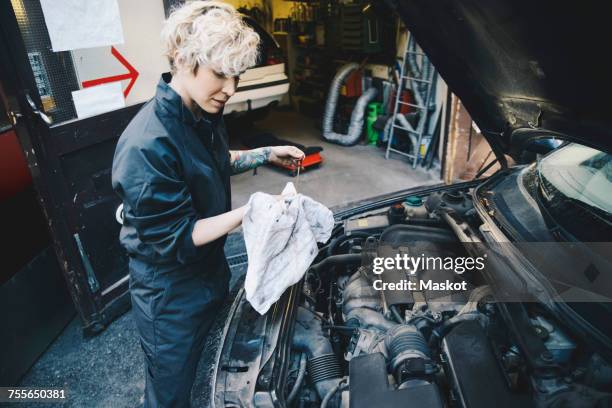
576	191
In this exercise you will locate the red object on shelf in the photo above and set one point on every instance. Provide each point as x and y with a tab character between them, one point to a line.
352	85
406	98
309	161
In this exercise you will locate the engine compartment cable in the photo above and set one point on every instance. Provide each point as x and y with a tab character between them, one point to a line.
299	380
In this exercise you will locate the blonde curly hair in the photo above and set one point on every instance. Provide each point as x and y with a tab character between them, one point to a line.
211	34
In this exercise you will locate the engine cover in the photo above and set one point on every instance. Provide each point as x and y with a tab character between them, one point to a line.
476	375
369	387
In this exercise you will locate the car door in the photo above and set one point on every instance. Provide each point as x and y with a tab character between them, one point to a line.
69	154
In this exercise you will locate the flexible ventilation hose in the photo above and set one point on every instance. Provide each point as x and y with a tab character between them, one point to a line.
357	116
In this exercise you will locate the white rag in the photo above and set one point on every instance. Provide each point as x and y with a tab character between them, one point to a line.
281	241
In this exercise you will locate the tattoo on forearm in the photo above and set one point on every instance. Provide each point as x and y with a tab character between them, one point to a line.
243	160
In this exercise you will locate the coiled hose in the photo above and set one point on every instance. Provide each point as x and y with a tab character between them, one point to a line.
357	116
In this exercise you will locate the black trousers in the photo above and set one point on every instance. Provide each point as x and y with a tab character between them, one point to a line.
174	308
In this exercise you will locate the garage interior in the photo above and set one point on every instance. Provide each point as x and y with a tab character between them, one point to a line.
316	41
340	180
317	45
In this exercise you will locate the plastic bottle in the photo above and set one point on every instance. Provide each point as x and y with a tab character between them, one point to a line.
415	208
374	109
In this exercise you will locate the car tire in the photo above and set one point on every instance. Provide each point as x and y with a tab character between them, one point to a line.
203	392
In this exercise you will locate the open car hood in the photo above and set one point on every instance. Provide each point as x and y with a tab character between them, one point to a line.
522	69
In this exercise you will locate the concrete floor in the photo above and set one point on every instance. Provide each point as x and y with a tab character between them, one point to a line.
108	370
348	174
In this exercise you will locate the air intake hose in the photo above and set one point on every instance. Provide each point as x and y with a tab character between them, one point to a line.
409	354
323	366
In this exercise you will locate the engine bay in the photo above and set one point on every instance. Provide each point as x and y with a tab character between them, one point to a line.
360	342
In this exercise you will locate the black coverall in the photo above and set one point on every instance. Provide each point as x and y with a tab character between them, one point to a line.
171	170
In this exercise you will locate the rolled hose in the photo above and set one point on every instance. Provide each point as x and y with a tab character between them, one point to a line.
332	96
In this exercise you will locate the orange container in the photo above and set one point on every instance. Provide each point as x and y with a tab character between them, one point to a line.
352	85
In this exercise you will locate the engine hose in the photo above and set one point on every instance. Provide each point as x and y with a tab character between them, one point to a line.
405	342
370	319
476	296
330	395
396	314
335	243
299	380
324	367
443	329
415	233
323	372
336	260
427	222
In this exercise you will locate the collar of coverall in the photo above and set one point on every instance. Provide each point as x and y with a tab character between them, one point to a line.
172	101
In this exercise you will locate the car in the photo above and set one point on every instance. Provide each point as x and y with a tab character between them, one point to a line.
264	85
532	243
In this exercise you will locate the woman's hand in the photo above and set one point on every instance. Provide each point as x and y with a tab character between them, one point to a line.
285	155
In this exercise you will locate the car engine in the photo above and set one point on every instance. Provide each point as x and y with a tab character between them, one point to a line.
356	346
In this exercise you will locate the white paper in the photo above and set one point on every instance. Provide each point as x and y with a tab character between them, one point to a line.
98	99
74	24
142	48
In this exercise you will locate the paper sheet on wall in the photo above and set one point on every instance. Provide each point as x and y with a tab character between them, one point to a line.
75	24
98	99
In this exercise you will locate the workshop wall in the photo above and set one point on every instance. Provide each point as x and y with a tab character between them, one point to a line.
467	151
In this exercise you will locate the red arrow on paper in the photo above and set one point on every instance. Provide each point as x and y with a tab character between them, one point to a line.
131	75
